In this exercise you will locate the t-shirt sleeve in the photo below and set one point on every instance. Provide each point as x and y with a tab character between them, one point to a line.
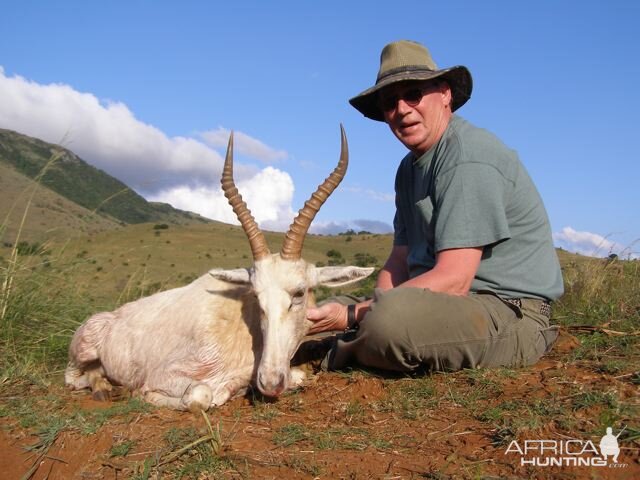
470	205
399	226
399	230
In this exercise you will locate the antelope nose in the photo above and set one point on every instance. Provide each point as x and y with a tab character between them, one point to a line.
271	385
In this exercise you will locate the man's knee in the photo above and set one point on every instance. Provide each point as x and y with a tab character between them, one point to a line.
387	320
407	328
419	316
386	339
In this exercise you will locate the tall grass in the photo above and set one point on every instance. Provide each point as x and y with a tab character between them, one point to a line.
41	313
601	306
600	291
12	266
38	309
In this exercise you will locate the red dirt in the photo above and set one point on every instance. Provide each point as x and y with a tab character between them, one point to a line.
444	439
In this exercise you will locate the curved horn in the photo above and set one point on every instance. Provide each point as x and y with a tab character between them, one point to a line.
292	245
257	241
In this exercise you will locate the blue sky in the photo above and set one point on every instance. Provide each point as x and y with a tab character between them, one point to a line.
148	90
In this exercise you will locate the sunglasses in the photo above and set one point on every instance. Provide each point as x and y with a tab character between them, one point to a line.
411	96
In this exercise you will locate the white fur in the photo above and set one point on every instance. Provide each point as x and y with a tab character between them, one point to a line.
200	345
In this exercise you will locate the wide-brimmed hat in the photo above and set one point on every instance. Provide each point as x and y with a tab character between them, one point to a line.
406	60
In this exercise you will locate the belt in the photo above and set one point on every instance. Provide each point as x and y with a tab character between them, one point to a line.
545	306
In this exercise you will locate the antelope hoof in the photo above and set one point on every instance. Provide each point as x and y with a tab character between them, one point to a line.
101	395
297	377
199	398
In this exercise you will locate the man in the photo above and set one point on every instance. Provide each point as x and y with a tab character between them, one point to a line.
473	270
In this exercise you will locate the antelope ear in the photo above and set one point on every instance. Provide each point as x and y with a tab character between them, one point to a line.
240	276
339	276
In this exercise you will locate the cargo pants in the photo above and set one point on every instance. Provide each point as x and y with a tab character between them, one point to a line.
413	329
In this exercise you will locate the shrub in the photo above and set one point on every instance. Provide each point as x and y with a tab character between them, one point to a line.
364	260
26	248
335	257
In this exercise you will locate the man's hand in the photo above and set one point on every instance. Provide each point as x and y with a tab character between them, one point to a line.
330	316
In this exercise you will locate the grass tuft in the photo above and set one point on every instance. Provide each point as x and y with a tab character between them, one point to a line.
290	434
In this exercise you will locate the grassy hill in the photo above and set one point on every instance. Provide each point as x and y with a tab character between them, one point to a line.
84	225
74	179
50	215
140	259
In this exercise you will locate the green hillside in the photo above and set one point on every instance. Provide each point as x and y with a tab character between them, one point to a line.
140	259
73	178
84	224
50	215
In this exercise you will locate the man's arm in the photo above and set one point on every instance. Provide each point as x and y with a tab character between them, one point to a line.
394	271
453	274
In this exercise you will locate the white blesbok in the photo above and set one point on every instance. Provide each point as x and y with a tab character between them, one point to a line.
200	345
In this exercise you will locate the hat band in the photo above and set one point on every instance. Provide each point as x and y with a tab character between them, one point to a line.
407	69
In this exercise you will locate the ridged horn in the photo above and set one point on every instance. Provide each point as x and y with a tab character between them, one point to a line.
259	246
292	245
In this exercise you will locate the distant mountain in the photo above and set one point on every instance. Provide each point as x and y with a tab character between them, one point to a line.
76	180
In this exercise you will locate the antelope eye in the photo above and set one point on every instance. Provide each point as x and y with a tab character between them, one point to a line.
297	297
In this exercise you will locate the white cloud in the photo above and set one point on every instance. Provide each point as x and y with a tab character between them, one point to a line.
244	144
107	134
267	194
591	244
181	171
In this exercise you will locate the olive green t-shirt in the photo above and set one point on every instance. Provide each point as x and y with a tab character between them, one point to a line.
470	190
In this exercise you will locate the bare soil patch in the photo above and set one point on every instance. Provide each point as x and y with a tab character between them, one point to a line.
354	425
